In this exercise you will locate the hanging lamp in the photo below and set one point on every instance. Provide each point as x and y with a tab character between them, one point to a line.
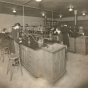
14	11
71	8
38	0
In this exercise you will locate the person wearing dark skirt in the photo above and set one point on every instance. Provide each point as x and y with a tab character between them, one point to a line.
15	38
64	31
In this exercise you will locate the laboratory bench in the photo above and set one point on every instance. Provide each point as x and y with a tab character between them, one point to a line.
48	61
79	44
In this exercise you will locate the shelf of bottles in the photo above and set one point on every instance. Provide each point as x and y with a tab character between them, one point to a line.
39	33
49	23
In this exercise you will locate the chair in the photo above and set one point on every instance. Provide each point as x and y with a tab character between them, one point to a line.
14	60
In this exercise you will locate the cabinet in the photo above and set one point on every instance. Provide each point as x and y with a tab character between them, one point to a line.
82	45
23	55
49	62
30	60
72	44
54	62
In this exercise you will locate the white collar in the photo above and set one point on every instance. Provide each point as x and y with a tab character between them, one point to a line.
3	32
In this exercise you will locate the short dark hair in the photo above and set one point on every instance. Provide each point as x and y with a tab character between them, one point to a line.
17	24
4	29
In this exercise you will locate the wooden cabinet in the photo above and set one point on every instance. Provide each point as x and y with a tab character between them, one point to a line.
82	44
47	62
54	62
29	59
32	67
23	55
72	44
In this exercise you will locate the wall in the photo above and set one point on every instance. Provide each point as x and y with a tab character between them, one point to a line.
7	21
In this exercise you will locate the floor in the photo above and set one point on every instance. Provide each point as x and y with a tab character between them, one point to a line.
75	77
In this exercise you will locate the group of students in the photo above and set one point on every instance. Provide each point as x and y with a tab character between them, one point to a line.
10	39
64	32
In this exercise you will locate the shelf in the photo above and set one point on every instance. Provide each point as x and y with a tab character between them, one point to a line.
49	23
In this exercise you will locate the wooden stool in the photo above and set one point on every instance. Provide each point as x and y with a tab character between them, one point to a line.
12	59
4	50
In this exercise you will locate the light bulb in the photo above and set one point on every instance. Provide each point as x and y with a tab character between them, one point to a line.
65	25
83	14
60	16
70	9
43	14
38	0
14	11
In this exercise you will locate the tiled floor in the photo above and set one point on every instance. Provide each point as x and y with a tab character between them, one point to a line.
75	77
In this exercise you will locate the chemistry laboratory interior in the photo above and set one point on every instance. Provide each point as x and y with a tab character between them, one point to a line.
43	43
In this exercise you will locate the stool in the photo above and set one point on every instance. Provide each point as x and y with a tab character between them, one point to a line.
12	59
4	50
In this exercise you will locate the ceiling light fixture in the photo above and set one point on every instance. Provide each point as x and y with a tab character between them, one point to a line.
71	8
60	15
43	13
14	11
83	13
38	0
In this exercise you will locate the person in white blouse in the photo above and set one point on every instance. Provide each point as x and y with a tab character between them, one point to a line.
81	31
4	30
59	35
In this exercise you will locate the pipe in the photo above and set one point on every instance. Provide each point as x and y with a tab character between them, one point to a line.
28	6
75	20
52	18
23	18
27	2
75	17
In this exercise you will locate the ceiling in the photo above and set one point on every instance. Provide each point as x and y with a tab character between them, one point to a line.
33	8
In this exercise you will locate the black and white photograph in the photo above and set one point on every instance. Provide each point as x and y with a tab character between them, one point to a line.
43	43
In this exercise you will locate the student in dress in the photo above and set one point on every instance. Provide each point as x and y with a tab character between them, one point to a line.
59	35
64	31
57	32
70	31
15	34
81	31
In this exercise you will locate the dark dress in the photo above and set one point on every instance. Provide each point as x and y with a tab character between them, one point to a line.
65	36
14	37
